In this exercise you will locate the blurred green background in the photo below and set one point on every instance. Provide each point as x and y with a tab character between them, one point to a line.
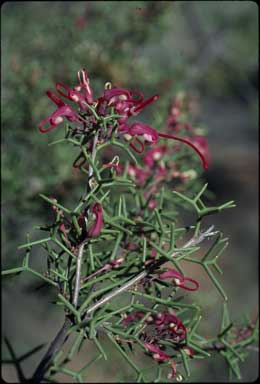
210	50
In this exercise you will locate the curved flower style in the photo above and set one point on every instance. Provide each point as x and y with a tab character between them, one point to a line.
159	355
126	103
141	105
56	118
84	84
72	95
96	228
120	99
152	136
161	326
141	129
168	322
179	279
201	143
186	141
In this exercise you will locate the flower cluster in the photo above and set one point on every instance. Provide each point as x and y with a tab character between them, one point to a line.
93	115
162	326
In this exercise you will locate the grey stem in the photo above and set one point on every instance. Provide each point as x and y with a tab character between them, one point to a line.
62	336
81	247
78	270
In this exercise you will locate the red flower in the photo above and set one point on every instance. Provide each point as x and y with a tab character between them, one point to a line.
84	84
201	143
56	117
166	322
153	155
141	105
186	141
179	279
158	354
138	315
152	136
117	167
161	356
141	129
152	204
72	95
80	22
96	228
119	98
138	174
124	102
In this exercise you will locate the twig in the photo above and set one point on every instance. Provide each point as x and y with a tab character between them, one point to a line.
93	155
15	361
192	242
56	344
78	270
81	246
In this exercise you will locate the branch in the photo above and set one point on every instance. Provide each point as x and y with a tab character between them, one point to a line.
56	344
78	271
192	242
62	336
81	247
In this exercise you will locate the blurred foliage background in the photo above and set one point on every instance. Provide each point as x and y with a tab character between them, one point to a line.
209	50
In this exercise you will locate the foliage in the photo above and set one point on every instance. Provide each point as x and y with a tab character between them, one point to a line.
124	236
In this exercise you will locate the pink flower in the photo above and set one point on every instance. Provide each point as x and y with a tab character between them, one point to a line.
189	351
138	174
116	263
72	95
153	155
188	142
80	22
201	143
152	204
96	228
56	118
160	172
158	354
117	167
153	252
141	129
84	84
138	315
141	105
106	267
114	95
177	109
119	98
150	190
152	136
124	102
166	322
135	148
179	279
